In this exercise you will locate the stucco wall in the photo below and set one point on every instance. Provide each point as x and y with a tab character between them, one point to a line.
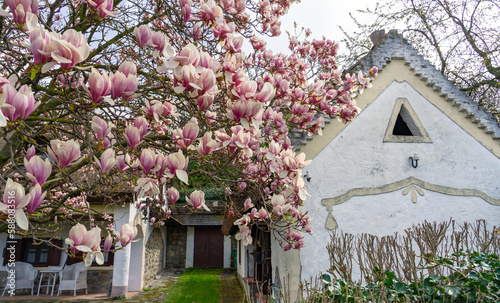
358	158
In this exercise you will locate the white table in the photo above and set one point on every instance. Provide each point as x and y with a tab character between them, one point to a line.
52	275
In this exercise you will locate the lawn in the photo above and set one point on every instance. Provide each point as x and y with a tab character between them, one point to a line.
200	285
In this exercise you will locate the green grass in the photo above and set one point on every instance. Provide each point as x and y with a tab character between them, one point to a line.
199	285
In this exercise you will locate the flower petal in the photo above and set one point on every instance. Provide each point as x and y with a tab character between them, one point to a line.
21	219
182	175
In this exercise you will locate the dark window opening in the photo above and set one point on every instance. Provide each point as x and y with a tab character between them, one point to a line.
38	255
401	128
262	257
35	254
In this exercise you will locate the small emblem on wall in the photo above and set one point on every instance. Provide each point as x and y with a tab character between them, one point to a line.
414	190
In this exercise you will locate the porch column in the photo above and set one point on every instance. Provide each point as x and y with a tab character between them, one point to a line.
190	247
121	273
121	264
227	252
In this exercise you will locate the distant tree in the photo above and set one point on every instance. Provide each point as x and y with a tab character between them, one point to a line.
460	37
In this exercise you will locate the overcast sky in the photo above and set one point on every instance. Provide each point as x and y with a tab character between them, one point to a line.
323	18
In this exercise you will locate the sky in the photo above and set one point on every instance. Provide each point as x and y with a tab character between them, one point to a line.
323	18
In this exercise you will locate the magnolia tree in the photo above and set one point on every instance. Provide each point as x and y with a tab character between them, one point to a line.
100	98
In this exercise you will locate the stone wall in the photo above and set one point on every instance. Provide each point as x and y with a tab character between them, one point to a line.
176	246
155	253
99	280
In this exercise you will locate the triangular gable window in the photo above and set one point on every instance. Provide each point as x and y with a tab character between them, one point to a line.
404	125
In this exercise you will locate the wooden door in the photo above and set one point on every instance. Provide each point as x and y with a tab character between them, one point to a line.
208	247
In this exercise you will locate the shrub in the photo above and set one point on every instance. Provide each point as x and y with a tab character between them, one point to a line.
475	278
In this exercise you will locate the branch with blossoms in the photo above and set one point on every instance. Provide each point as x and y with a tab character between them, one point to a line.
150	101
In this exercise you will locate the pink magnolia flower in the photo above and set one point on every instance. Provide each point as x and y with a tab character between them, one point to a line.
108	243
248	204
263	214
244	111
158	41
233	44
205	101
207	82
99	85
143	35
37	169
107	161
153	109
65	153
244	235
246	90
103	7
210	12
177	165
240	5
14	200
18	104
101	128
207	144
172	195
186	78
127	234
88	242
232	64
147	187
207	61
123	86
188	134
189	55
36	198
132	136
40	40
161	165
30	152
224	29
257	44
148	160
142	124
19	8
168	109
122	162
67	49
128	68
185	9
197	200
227	5
266	93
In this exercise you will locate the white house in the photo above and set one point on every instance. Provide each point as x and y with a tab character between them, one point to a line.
420	149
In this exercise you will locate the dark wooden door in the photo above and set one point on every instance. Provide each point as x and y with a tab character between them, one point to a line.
208	247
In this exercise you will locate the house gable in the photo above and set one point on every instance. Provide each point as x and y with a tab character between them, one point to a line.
398	61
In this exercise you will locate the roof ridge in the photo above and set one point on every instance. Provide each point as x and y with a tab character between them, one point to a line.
395	46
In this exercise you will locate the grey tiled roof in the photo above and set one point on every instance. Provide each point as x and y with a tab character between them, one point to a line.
394	46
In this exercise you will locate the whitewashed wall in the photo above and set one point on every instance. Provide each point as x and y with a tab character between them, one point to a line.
358	157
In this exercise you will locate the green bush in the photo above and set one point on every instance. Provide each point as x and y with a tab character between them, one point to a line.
475	277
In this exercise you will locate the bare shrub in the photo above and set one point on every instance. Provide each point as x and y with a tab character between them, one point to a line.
408	254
